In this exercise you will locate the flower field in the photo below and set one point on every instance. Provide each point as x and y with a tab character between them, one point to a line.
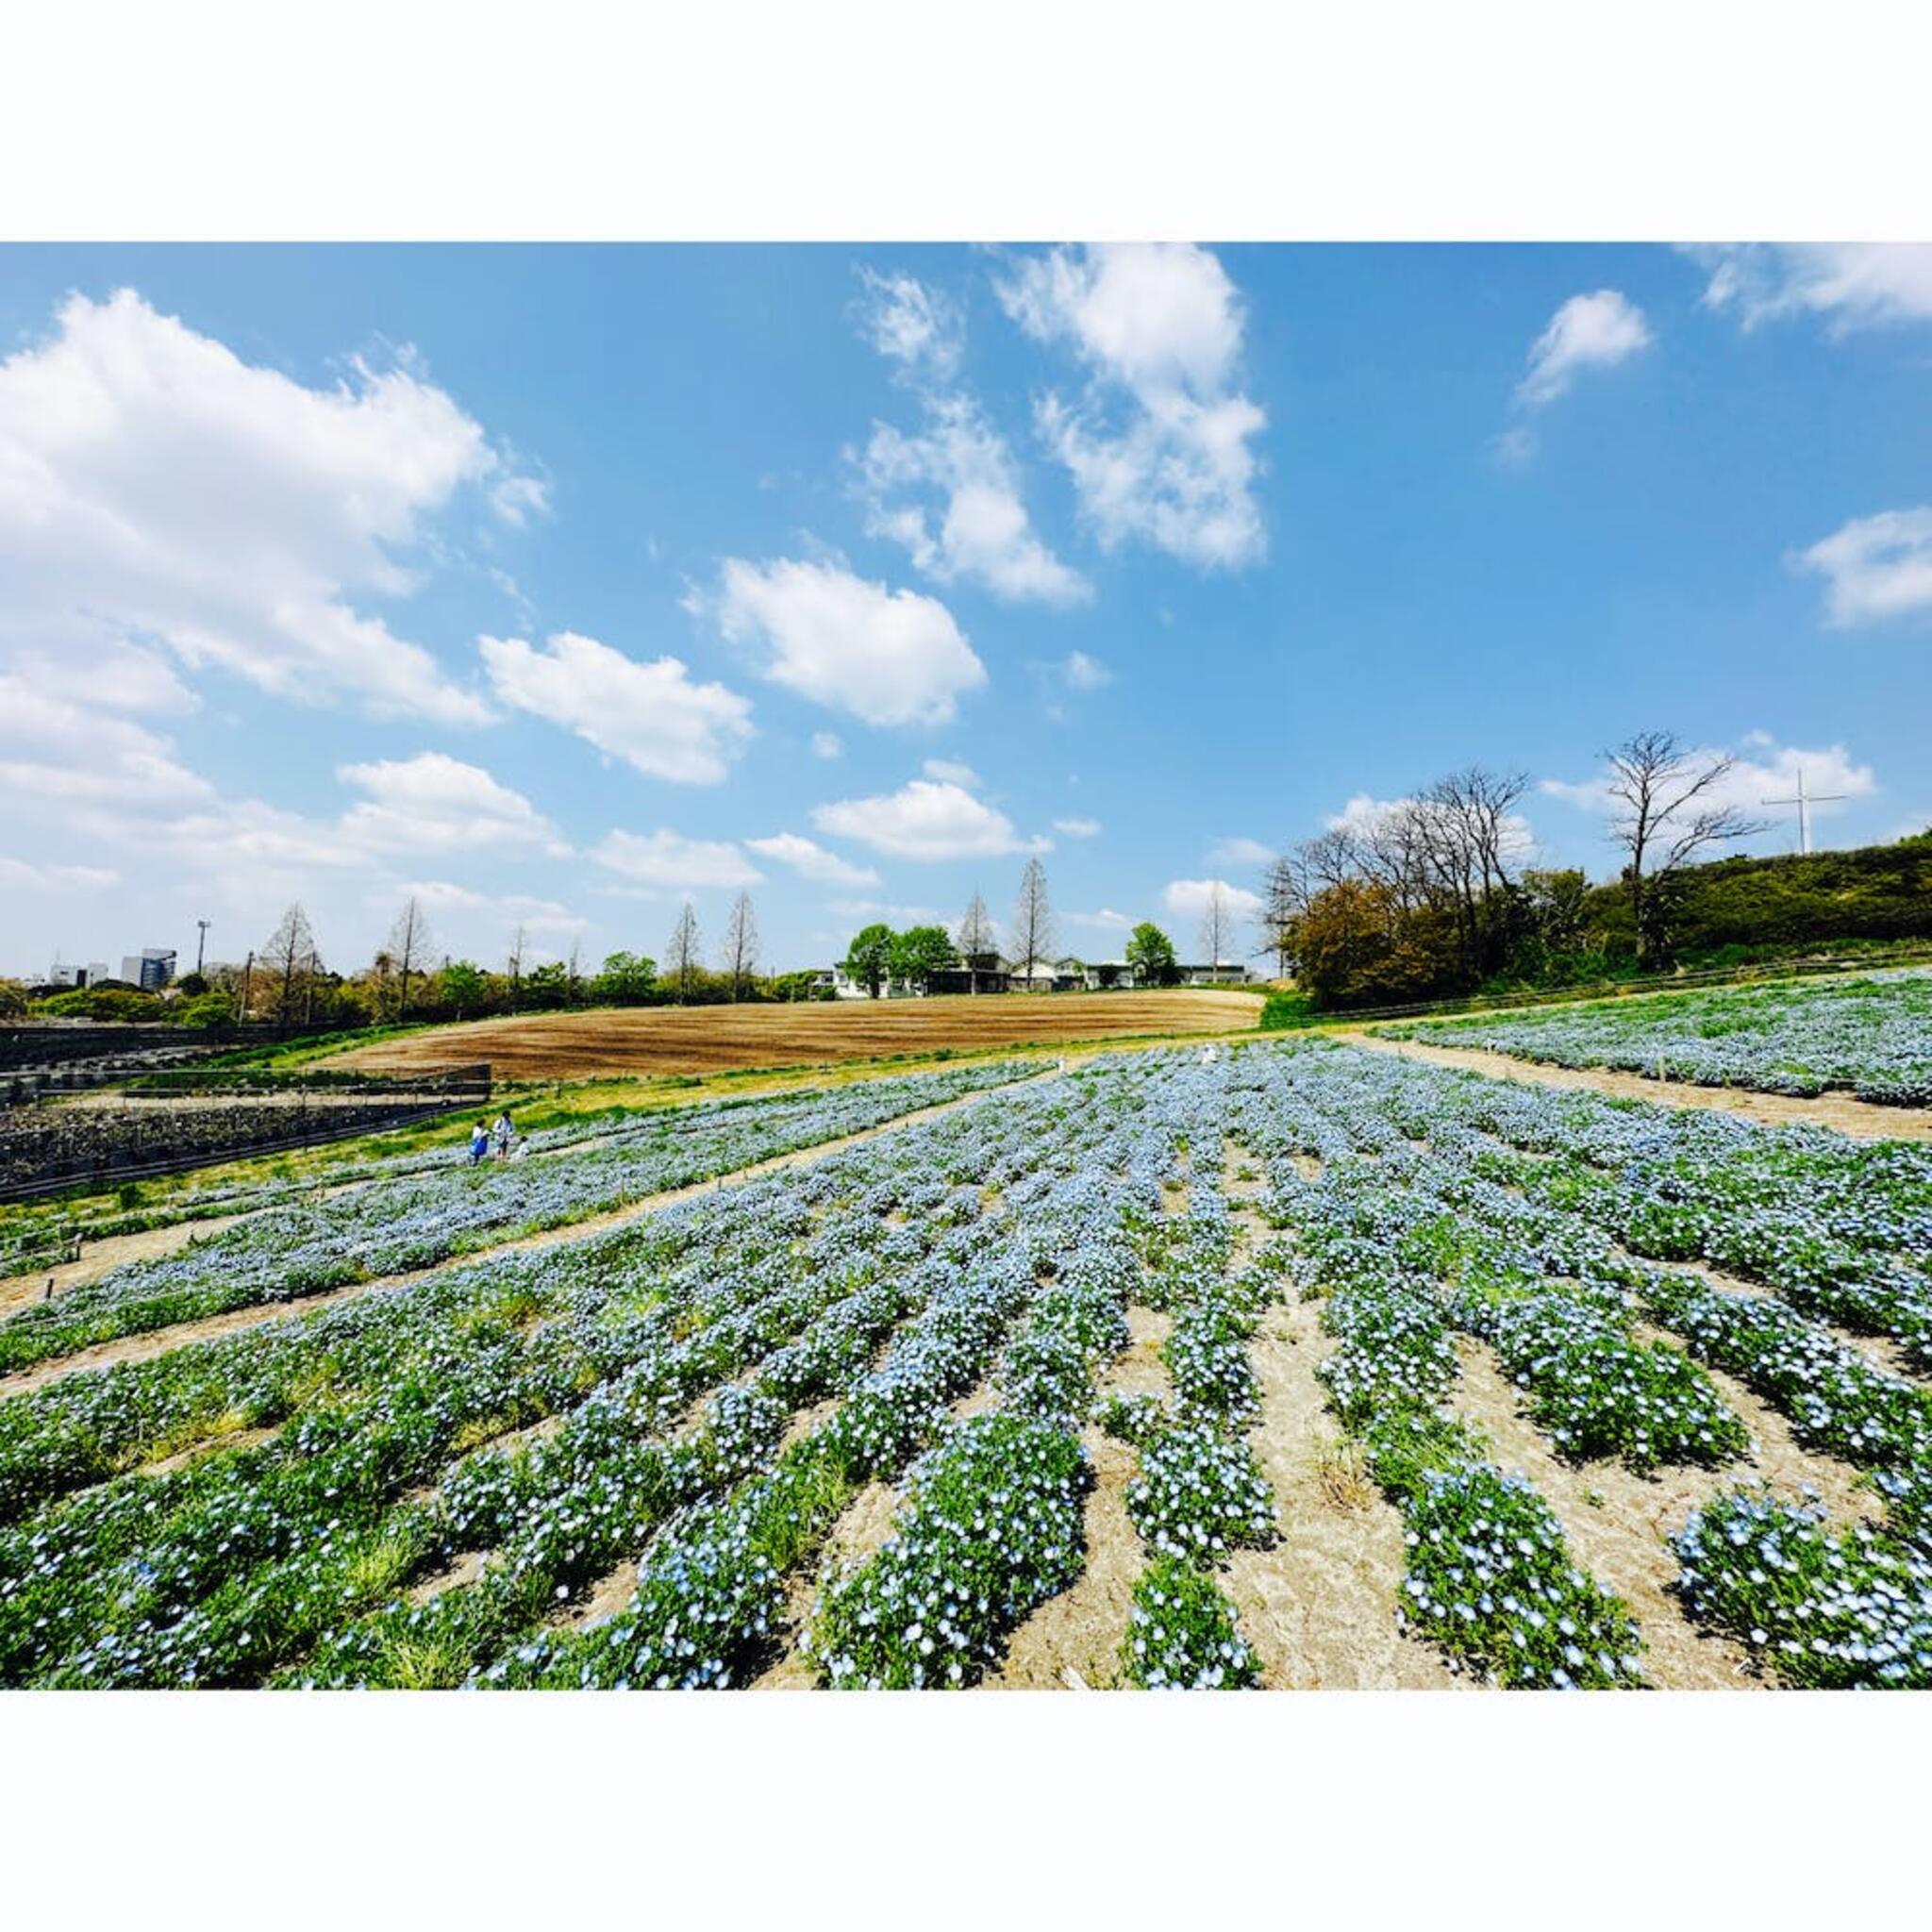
866	1422
1871	1036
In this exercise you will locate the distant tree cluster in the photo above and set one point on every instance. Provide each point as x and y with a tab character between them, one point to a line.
1439	895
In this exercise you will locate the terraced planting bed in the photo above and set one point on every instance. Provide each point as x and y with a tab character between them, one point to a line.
1870	1036
1291	1365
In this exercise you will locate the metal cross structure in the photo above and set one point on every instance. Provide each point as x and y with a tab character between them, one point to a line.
1805	801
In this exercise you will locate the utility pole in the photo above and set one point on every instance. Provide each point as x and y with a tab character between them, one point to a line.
1805	801
248	977
200	945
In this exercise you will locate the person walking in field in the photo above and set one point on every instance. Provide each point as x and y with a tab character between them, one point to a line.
504	1135
479	1142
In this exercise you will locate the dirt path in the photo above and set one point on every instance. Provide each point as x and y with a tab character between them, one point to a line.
1320	1606
1072	1641
1859	1119
135	1348
1616	1521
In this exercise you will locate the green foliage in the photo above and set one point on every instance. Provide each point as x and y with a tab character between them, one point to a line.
1285	1008
625	979
922	951
1182	1636
1150	953
869	957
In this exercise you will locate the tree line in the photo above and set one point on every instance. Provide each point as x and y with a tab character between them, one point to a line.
1439	894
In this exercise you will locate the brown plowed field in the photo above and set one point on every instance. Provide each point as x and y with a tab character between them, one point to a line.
705	1039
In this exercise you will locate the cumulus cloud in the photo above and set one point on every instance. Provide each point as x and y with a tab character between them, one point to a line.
1083	673
433	803
1875	567
1158	446
670	859
1106	920
812	860
56	878
926	818
1849	285
1078	828
1189	898
911	324
56	753
1240	852
949	493
504	909
1587	332
886	657
651	715
879	908
950	771
1764	769
154	486
826	744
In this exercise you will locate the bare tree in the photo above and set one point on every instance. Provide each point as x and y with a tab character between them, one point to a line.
741	944
410	946
974	934
1217	923
292	957
516	966
684	955
1665	813
1033	925
1467	839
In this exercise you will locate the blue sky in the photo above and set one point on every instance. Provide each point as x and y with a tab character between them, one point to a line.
555	584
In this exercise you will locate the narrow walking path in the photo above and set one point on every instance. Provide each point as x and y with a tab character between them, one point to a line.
1859	1119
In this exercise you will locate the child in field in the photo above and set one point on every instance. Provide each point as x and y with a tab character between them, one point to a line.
505	1133
479	1142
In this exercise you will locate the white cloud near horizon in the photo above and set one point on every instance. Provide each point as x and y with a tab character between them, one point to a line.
1079	828
1158	445
651	715
1875	567
669	859
1189	898
886	657
156	487
1240	852
434	803
811	860
1764	769
926	820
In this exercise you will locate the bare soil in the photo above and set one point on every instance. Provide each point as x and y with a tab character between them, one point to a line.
703	1040
1860	1120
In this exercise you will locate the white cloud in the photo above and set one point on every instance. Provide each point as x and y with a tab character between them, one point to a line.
1850	283
515	498
56	878
1158	446
911	324
1366	816
433	803
874	909
1875	567
826	744
1079	828
1189	898
926	820
1106	920
1240	852
887	657
812	860
155	486
506	909
951	493
951	496
1772	772
950	771
53	751
1083	673
668	858
1587	332
651	715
